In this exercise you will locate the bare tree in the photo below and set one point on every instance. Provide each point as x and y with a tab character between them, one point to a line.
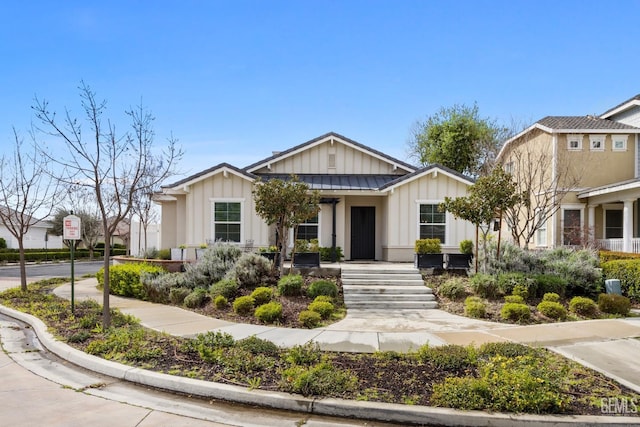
115	167
143	208
542	189
25	191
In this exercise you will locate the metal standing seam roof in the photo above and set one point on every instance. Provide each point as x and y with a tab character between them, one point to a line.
338	182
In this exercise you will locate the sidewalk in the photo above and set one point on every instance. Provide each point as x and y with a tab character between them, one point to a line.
610	346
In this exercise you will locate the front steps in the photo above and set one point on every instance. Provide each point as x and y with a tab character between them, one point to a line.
384	287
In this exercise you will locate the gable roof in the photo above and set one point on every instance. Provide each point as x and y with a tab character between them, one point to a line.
324	138
434	169
631	102
219	168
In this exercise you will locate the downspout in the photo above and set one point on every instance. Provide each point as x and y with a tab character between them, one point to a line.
333	230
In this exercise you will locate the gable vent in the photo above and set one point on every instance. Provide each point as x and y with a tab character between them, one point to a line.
332	160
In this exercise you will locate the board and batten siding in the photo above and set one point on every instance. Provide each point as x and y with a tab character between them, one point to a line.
402	215
316	160
199	215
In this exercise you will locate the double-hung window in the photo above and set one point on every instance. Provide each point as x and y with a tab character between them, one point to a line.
432	222
308	230
227	220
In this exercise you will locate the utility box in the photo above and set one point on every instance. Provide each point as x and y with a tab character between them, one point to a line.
612	286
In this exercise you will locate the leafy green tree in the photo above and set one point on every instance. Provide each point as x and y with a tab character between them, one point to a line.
458	138
487	199
285	204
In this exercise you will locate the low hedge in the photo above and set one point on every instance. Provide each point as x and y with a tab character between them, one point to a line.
628	272
35	255
124	279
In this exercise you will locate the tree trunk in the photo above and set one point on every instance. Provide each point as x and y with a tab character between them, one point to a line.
23	267
106	312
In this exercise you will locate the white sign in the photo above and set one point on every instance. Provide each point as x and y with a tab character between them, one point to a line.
71	228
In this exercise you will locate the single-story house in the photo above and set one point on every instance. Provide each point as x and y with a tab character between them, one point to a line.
373	206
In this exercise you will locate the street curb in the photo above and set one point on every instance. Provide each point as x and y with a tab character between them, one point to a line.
375	411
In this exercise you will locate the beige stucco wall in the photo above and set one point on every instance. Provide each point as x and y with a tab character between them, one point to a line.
347	161
401	221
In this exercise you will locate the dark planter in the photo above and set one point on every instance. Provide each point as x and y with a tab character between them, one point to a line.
459	261
306	259
274	257
429	261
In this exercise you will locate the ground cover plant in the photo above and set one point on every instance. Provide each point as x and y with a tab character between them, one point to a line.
504	377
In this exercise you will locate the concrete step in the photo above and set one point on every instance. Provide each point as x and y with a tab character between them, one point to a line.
381	276
383	282
386	297
393	305
393	289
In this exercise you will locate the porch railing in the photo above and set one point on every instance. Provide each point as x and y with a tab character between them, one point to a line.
617	244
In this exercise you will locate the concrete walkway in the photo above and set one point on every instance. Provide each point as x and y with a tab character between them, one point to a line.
609	346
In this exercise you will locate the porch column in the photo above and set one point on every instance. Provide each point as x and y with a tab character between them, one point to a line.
627	225
591	230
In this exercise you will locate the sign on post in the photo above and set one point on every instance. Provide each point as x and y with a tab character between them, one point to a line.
72	230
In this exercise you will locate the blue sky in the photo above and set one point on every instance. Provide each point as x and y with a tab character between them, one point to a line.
234	80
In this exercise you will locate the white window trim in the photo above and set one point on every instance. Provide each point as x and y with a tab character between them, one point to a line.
213	221
605	209
593	139
622	138
573	137
447	219
570	207
542	231
291	241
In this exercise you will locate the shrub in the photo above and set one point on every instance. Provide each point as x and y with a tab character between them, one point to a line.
321	379
484	285
220	302
124	279
290	285
306	354
243	305
196	298
578	267
453	288
157	287
324	309
252	269
583	306
515	299
3	243
466	246
550	283
551	296
322	287
628	272
507	282
324	298
614	304
326	254
164	254
309	319
506	349
177	295
449	357
515	312
521	291
553	310
258	346
262	295
474	307
228	288
428	246
269	312
216	261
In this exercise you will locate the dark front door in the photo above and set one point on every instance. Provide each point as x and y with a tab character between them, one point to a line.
363	232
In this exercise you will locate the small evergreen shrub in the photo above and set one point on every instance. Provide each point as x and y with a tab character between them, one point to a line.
324	298
220	302
196	298
551	296
552	310
327	253
449	357
614	304
507	282
628	272
324	309
258	346
583	306
124	279
318	380
515	312
290	285
549	283
506	349
227	287
244	305
309	319
466	246
306	354
484	285
164	254
177	295
515	299
474	307
521	291
157	286
428	246
262	295
453	288
252	269
322	287
269	312
216	262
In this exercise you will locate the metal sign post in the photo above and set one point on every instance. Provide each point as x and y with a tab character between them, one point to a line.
72	231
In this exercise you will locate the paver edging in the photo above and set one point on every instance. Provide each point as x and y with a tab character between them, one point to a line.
377	411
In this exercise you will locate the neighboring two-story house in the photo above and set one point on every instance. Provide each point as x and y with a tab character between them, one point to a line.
589	168
373	206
